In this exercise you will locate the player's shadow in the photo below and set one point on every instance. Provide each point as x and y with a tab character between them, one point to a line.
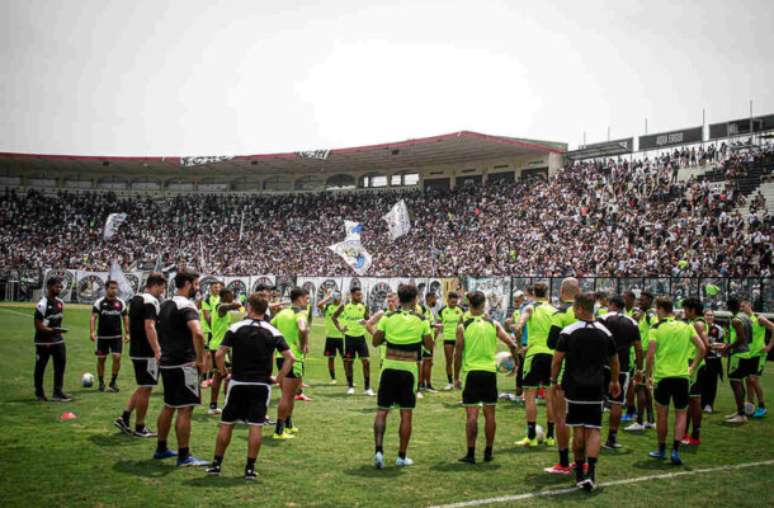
365	410
651	464
452	405
462	467
219	481
540	480
145	468
113	440
203	417
369	471
615	453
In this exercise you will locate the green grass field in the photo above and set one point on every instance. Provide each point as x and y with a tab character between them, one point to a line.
87	462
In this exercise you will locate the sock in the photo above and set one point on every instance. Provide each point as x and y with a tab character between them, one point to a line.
288	423
650	415
662	448
740	409
488	451
531	430
676	445
630	410
367	381
379	449
639	418
213	405
218	460
161	446
250	463
696	433
101	380
471	452
113	379
402	455
579	470
564	457
125	417
592	467
761	405
332	372
280	428
611	436
550	429
350	382
449	377
183	453
139	427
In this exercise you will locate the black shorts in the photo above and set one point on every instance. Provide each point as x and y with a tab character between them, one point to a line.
520	373
181	386
584	413
333	344
695	389
396	389
623	380
426	353
480	388
297	372
451	343
741	368
146	371
355	346
674	388
106	346
246	403
537	370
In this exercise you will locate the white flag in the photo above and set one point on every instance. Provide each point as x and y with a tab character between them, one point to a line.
353	230
125	290
112	223
397	219
354	254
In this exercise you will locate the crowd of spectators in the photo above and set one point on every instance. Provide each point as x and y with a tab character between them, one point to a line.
613	218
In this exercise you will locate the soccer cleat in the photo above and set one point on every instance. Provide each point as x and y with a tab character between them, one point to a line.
635	427
588	485
650	425
612	445
628	417
558	469
303	397
250	474
214	470
192	461
549	441
448	387
101	387
61	397
41	397
283	436
708	409
113	388
404	462
291	430
369	392
213	411
675	458
122	425
527	442
332	382
420	396
144	432
379	460
351	390
468	460
166	454
657	455
686	440
760	412
488	457
737	419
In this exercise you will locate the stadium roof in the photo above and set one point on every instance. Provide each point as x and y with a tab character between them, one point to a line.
456	147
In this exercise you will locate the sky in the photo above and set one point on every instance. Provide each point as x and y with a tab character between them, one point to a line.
204	77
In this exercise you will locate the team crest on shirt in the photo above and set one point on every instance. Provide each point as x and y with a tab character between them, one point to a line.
117	305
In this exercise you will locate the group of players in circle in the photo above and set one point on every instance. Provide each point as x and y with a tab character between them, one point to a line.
587	353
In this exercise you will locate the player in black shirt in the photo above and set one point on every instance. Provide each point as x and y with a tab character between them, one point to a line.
586	347
626	335
144	352
49	341
107	314
252	343
182	360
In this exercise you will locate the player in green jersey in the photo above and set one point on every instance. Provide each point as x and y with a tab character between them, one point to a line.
449	317
404	332
207	307
694	314
757	351
350	319
670	348
334	339
600	305
519	300
474	357
426	367
740	365
220	320
646	317
292	324
391	301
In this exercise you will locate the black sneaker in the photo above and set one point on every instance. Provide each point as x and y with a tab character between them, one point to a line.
101	387
468	459
122	425
61	397
214	470
488	457
144	432
250	474
41	397
113	388
588	485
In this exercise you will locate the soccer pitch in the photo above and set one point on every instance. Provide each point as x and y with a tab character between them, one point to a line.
88	462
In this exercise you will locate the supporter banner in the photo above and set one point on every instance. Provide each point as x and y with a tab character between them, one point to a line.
284	284
125	289
112	224
319	287
672	138
497	291
354	254
397	220
240	285
135	280
69	278
256	280
90	286
171	284
199	160
314	154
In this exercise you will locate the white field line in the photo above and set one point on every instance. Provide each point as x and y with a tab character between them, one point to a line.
25	314
559	492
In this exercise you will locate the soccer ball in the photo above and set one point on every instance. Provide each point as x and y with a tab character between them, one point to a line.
504	362
749	408
87	380
540	434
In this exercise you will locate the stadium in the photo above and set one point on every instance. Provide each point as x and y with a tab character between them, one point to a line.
349	312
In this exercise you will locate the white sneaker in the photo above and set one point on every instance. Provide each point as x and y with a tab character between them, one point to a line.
213	411
650	425
708	409
635	427
379	460
420	396
369	392
351	390
333	382
448	387
404	462
737	419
